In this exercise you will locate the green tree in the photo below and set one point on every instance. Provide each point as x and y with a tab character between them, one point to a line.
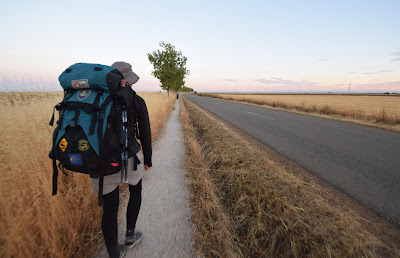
186	89
169	67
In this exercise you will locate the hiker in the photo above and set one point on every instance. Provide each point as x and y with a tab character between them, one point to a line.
177	95
112	182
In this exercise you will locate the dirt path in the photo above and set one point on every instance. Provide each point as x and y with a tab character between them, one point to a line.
165	215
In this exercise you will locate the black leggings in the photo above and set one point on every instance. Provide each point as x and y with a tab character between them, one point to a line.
110	212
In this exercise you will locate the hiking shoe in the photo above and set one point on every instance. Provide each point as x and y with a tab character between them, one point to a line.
118	252
132	240
122	251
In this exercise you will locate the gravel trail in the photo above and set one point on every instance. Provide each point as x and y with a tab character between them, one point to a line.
165	215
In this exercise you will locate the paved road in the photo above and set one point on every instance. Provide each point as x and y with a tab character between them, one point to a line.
361	161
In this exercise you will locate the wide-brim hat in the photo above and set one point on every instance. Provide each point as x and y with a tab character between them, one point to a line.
126	70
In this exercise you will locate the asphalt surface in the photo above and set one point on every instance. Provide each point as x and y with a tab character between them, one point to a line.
361	161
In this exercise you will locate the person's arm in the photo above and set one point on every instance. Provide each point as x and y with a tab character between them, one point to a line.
145	132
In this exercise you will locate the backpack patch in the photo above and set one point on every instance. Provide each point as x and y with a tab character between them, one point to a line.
83	145
63	144
75	159
80	84
83	94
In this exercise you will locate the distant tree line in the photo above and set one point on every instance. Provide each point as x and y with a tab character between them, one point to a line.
186	89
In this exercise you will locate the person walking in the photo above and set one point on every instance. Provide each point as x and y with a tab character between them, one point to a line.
138	112
177	95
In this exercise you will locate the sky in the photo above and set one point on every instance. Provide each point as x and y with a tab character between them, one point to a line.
231	46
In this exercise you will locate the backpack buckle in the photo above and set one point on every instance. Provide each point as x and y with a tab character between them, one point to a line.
102	115
73	120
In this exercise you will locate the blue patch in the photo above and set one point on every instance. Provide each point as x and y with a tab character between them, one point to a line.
75	159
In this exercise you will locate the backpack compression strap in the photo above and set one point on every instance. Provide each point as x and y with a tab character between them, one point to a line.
101	151
100	194
55	176
60	108
95	108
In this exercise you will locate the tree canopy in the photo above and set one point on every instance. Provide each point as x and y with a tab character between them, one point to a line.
186	89
169	67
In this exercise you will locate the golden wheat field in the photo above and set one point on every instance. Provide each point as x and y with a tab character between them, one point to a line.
369	105
381	110
34	223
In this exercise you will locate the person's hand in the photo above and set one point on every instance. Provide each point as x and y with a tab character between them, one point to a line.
146	167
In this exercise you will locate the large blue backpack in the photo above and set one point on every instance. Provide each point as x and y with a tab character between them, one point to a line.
92	136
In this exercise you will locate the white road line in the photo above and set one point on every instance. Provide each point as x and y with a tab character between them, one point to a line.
260	115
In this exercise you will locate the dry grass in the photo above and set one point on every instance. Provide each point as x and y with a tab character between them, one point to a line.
246	205
159	106
383	110
34	223
213	226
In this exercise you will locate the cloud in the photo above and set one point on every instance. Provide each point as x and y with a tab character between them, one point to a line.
230	80
322	60
279	81
336	85
397	58
265	81
386	71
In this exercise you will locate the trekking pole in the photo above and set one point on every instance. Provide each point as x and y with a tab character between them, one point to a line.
124	168
123	150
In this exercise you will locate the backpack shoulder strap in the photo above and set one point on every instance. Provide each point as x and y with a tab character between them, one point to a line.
61	105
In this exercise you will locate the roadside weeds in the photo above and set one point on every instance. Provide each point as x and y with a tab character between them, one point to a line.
244	204
212	236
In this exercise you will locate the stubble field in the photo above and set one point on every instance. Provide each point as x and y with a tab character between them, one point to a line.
376	110
34	223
